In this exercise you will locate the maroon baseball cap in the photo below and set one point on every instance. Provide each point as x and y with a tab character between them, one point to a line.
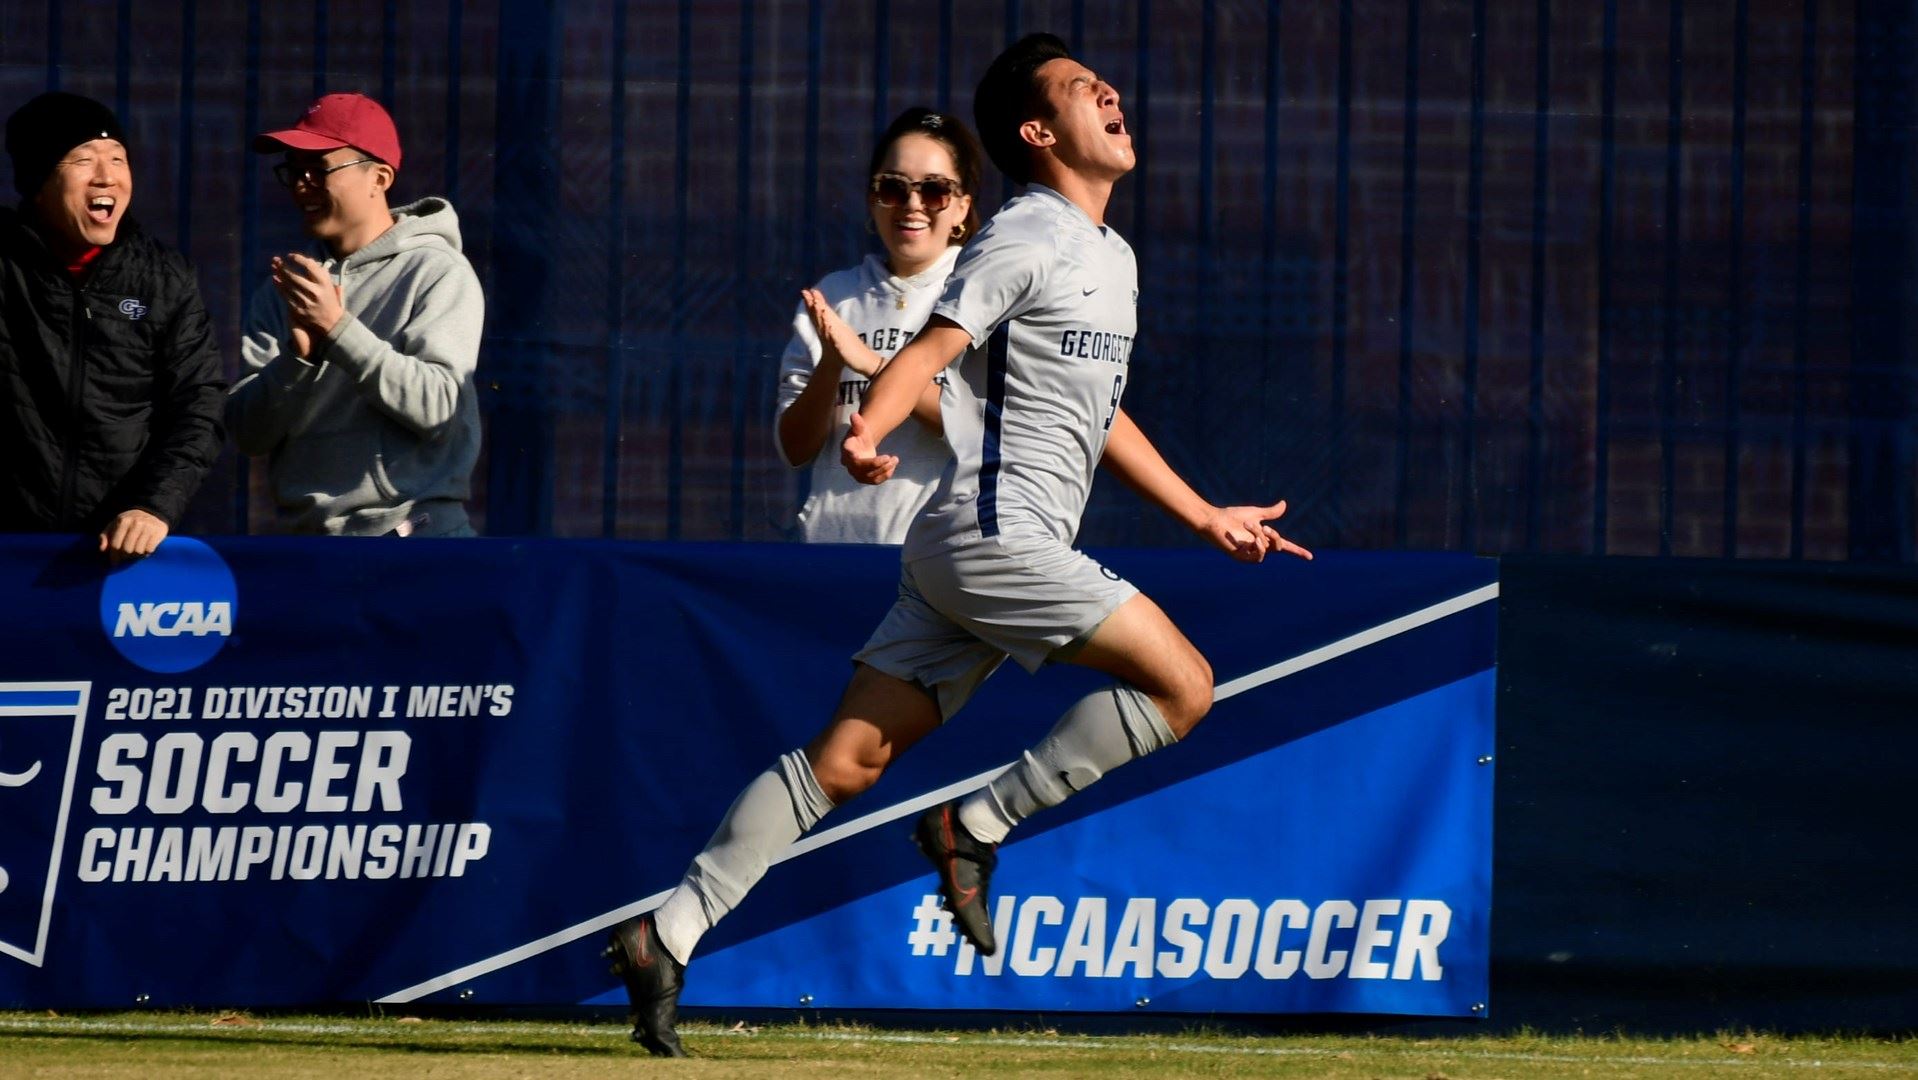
334	121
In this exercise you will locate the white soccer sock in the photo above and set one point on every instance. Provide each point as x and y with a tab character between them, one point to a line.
773	811
1106	729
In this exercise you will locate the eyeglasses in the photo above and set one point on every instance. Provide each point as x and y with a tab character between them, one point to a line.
290	175
891	190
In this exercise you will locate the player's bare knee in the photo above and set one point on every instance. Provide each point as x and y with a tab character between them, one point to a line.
1189	697
843	776
839	783
1201	700
1203	673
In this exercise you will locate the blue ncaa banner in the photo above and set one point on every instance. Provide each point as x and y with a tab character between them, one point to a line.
278	772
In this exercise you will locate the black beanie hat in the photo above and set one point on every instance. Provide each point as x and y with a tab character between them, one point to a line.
41	132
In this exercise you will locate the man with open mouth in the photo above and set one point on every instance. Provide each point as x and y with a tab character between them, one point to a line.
1035	331
110	387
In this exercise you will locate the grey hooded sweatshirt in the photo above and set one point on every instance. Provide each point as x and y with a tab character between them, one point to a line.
377	432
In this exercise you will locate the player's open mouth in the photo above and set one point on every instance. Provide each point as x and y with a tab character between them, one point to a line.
100	208
1116	127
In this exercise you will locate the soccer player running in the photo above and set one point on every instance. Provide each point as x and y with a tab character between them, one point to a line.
1041	312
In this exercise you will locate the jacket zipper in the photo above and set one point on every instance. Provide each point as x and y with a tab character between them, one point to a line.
69	467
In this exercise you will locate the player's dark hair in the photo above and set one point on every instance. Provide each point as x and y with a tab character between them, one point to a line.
1009	95
950	132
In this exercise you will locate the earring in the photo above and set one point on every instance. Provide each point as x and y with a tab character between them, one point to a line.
959	231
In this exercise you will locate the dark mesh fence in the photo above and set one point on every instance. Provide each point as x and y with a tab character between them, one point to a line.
1587	276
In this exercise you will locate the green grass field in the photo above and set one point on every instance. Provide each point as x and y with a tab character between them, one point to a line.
165	1045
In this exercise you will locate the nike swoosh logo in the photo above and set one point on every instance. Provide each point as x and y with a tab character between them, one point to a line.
1089	292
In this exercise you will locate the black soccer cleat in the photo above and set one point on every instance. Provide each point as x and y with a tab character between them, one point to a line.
653	980
965	869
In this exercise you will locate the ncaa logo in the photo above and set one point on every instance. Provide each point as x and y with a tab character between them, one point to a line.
40	728
132	309
171	611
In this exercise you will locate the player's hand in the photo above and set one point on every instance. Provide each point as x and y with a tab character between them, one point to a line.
132	535
313	303
1242	532
837	341
862	458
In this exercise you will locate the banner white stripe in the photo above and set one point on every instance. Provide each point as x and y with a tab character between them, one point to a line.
1360	640
1232	688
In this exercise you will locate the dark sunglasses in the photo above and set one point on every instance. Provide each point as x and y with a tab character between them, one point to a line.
891	190
289	174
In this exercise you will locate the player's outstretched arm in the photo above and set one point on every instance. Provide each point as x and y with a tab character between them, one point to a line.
894	392
1239	531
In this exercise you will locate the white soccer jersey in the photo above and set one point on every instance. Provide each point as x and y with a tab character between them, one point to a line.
886	311
1051	302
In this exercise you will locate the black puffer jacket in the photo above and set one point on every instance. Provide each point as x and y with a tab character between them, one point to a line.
110	387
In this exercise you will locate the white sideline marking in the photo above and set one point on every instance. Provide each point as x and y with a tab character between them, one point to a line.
1102	1043
1108	1042
1232	688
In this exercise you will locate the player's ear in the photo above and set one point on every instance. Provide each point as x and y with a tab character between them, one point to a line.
1036	133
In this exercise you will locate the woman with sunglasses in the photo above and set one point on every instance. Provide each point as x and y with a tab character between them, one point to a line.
922	174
